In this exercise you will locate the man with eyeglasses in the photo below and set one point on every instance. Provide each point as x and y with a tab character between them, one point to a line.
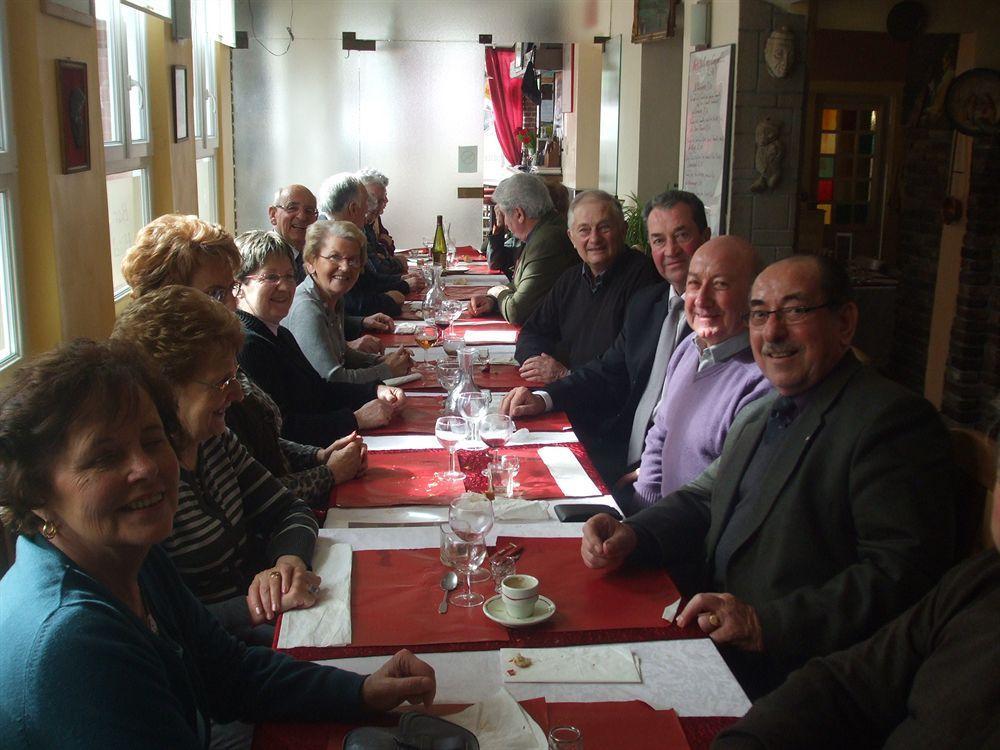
829	510
293	211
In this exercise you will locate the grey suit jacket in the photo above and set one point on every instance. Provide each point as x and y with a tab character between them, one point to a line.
854	519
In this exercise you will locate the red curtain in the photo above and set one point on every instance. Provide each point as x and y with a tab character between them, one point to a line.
505	92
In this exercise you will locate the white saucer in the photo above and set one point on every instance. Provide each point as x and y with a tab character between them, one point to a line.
494	609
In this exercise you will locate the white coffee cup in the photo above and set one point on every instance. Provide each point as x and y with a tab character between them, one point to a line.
519	593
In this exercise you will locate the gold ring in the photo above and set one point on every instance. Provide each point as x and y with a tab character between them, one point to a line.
713	620
276	574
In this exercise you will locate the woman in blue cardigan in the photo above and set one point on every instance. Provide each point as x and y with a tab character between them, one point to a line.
103	645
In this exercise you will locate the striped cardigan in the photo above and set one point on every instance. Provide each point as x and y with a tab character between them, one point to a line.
233	520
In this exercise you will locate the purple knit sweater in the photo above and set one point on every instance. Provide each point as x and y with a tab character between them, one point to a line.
693	418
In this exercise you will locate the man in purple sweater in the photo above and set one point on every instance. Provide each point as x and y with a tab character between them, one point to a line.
711	374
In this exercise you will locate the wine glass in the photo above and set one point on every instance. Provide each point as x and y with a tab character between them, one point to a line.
448	373
450	431
470	517
495	430
511	465
473	405
425	337
452	342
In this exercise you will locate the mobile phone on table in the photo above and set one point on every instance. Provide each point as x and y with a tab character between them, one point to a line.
580	512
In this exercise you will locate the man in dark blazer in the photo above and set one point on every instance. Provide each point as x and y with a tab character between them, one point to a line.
828	512
611	399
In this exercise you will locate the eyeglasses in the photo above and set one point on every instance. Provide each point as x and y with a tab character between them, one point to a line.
221	293
790	315
273	279
222	385
294	208
340	260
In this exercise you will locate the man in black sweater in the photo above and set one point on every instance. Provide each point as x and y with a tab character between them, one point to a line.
583	312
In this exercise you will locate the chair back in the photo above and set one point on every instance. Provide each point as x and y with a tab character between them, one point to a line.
975	460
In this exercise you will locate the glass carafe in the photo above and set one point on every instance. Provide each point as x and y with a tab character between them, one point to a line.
465	384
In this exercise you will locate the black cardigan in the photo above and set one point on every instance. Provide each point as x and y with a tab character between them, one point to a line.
313	410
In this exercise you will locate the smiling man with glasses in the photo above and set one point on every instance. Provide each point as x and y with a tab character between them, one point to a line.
830	508
293	211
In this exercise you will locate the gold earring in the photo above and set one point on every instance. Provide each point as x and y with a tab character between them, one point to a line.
49	529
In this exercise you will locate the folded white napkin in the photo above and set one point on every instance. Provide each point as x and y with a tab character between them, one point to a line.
499	723
328	622
567	471
670	611
490	337
515	509
403	379
522	435
597	664
403	328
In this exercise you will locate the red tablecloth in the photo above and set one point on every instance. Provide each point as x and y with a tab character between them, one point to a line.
420	412
631	725
407	477
395	598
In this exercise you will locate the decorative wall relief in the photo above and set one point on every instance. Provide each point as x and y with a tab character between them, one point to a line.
769	155
779	52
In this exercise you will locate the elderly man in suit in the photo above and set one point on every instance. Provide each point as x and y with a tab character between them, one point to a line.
612	398
527	210
293	212
829	510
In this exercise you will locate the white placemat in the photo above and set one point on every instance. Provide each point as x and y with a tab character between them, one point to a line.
567	471
490	337
328	622
594	664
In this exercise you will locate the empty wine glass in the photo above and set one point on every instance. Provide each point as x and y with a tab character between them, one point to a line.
450	431
470	517
452	342
473	406
495	430
448	372
425	337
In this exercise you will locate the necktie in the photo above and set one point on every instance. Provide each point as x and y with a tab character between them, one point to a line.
655	384
300	268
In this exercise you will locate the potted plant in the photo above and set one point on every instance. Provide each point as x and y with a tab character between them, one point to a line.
635	227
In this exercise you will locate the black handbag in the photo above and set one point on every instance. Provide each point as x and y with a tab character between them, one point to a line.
416	731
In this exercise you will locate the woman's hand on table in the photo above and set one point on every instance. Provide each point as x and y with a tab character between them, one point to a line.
543	369
521	402
403	678
482	304
368	344
376	413
606	542
395	296
344	458
391	394
400	361
379	322
726	619
288	584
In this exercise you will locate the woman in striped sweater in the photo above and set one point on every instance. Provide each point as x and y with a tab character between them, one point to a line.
241	541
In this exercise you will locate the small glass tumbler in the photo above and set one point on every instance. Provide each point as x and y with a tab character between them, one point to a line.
500	569
565	738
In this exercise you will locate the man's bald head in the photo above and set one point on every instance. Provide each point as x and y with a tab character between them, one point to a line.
717	292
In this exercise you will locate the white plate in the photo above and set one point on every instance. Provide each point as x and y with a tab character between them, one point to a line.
494	609
457	268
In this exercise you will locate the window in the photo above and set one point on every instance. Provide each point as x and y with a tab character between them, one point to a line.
10	318
121	39
204	19
207	206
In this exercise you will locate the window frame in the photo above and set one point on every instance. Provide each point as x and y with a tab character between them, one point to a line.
10	266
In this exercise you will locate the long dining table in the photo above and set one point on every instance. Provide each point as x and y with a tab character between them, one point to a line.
387	525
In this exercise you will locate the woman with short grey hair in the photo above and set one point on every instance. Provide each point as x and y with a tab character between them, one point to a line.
334	254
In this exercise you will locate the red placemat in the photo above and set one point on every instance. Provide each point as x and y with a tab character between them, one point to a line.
463	291
701	730
483	269
418	415
501	377
406	477
622	724
469	253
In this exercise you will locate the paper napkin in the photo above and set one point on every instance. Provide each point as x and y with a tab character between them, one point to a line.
567	471
499	723
490	337
403	379
328	622
595	664
405	328
515	509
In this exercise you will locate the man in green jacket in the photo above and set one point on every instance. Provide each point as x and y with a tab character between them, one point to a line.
524	202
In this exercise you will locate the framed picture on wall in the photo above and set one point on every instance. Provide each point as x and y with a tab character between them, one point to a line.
653	20
180	85
77	11
74	115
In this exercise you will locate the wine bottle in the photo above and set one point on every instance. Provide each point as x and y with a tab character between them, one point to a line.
440	249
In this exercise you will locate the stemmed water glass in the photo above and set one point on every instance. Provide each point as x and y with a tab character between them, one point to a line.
471	518
450	431
448	373
473	406
495	430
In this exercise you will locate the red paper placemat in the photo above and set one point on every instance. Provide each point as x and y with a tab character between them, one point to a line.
534	479
463	291
501	377
418	415
701	730
623	724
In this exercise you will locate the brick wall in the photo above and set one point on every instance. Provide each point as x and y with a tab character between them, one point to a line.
767	219
972	375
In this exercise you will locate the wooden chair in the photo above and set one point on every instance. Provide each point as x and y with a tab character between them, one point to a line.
975	459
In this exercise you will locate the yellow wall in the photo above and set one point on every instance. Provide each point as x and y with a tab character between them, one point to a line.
62	220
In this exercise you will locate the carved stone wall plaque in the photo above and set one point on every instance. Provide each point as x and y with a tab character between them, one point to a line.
779	52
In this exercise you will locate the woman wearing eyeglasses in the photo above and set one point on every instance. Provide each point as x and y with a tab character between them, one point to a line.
271	356
241	541
334	254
